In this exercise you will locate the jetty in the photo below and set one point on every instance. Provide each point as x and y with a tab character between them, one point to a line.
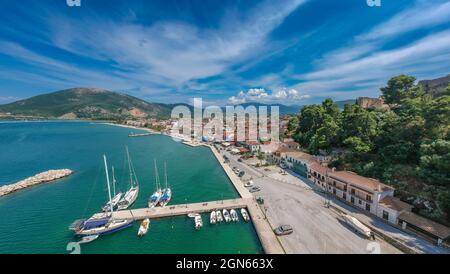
140	134
44	177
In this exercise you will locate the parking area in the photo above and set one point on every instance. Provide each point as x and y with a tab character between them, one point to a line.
317	229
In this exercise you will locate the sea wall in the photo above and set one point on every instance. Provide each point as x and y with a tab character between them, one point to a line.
37	179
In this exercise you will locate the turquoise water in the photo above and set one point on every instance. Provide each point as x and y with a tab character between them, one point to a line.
36	220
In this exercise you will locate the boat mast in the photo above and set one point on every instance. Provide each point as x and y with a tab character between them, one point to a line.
165	172
114	182
156	176
129	167
107	181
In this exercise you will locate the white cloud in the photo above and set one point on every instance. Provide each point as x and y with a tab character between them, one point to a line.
260	95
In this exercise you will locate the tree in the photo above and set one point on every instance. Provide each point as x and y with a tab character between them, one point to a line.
357	145
399	88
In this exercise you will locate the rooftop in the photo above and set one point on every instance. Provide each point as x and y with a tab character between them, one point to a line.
357	180
395	204
427	225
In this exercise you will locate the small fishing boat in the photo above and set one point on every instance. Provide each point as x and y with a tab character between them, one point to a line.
245	215
212	218
166	192
219	216
234	216
226	215
131	195
143	229
153	201
198	222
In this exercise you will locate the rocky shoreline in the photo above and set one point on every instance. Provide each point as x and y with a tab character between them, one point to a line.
37	179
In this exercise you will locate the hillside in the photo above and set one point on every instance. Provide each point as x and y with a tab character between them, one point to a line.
436	87
86	103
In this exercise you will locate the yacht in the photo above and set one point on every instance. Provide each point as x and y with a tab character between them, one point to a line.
167	191
245	215
234	216
219	216
226	215
131	195
103	223
154	200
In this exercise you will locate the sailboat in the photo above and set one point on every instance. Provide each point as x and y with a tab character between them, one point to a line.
156	196
131	195
167	191
101	223
117	197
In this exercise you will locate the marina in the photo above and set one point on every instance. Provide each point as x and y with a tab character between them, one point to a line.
44	213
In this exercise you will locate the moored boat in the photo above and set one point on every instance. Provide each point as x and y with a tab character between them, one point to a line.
212	218
131	195
226	215
166	192
198	222
234	216
143	228
219	216
245	215
154	200
101	224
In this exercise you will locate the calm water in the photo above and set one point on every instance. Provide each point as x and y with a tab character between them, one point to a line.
36	220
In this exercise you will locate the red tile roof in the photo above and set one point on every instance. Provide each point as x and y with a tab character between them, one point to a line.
357	180
395	204
427	225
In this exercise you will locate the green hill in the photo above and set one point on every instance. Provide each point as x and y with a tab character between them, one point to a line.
86	103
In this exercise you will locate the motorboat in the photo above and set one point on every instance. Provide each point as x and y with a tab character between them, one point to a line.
234	216
143	228
226	215
245	215
213	217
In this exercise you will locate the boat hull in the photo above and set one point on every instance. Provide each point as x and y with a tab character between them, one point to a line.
106	230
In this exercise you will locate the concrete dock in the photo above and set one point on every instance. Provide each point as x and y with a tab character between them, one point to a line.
177	210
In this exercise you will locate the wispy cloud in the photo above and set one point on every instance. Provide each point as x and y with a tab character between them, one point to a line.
365	65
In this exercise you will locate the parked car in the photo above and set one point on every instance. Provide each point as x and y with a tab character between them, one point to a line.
241	173
240	160
254	189
283	230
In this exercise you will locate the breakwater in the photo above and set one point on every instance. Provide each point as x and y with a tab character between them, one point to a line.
44	177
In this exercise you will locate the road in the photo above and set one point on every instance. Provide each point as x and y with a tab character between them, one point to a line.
296	201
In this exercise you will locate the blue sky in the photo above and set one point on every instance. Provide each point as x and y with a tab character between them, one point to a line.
284	51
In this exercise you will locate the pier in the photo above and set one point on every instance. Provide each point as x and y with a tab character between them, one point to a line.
140	134
40	178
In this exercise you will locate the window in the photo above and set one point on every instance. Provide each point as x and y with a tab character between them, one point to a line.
352	200
344	195
359	202
368	207
369	198
334	191
385	215
353	191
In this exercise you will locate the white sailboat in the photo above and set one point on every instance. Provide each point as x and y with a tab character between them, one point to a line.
131	195
153	201
101	224
167	191
117	197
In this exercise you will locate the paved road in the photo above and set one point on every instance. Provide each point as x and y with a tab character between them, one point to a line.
317	229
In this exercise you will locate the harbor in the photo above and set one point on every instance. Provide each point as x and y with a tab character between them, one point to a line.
44	213
43	177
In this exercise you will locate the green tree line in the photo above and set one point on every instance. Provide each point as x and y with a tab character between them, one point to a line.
406	145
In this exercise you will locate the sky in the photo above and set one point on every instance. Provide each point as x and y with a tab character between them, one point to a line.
291	52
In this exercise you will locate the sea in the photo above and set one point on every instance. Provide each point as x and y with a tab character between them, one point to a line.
36	220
